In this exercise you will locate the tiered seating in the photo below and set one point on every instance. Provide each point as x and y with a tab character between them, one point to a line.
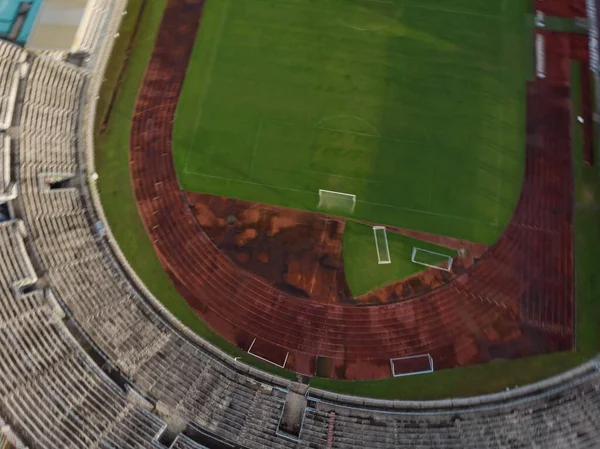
10	58
165	366
560	416
162	364
51	392
7	186
96	18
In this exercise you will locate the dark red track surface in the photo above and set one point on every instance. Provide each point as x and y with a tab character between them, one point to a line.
562	8
516	301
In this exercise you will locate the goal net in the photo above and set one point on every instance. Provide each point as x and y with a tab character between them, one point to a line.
415	364
431	259
336	202
381	243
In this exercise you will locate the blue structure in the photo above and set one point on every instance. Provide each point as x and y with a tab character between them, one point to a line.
18	16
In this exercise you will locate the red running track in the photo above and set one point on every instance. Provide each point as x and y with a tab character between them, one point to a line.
517	301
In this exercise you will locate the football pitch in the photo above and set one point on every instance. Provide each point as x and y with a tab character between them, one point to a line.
417	108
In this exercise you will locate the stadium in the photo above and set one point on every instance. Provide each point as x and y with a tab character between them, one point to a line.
299	224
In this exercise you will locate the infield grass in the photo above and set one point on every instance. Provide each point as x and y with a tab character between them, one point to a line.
417	108
364	273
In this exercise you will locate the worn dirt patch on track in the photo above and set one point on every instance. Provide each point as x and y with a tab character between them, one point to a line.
298	252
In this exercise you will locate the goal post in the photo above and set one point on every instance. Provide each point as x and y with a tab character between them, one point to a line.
336	202
411	365
381	243
431	259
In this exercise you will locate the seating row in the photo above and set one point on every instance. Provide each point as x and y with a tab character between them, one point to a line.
51	392
564	414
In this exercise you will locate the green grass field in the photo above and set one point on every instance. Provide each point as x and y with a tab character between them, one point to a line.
364	273
417	108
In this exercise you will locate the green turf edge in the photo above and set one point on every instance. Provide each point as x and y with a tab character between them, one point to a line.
497	376
364	274
587	230
458	382
114	185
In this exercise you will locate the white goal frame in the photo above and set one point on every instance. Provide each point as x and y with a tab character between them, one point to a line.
323	193
449	258
388	258
267	360
428	356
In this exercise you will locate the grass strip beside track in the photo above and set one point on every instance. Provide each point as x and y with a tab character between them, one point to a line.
112	165
497	376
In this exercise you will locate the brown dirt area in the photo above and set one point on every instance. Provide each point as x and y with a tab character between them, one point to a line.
295	251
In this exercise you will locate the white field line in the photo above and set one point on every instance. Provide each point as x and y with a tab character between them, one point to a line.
379	28
333	175
354	117
408	209
357	133
449	10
